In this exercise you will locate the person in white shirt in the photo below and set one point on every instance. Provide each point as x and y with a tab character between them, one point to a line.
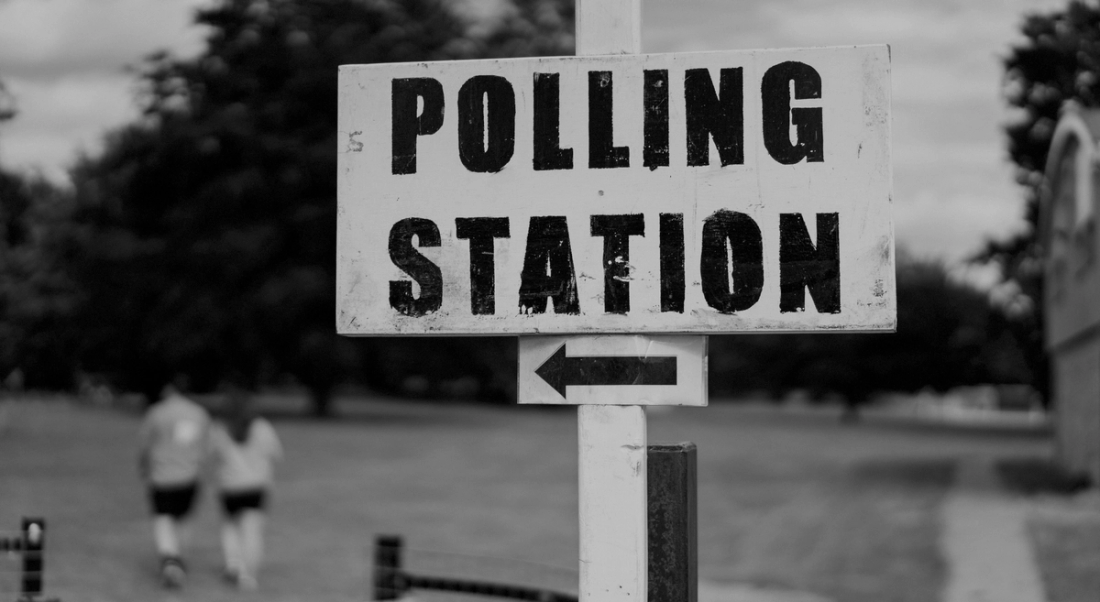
172	441
244	450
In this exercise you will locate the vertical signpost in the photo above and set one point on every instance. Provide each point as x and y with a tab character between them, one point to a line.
612	209
611	439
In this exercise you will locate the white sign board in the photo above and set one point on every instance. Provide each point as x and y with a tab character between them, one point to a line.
613	370
668	193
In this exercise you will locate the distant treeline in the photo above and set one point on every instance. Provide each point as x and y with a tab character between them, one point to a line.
949	334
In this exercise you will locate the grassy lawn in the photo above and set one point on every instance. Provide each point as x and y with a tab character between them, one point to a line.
796	502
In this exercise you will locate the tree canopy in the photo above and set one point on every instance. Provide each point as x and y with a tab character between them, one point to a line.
208	226
37	298
1057	62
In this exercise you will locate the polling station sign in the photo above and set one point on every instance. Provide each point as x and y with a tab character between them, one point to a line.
663	193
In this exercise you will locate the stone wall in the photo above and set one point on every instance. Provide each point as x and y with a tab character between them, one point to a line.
1076	371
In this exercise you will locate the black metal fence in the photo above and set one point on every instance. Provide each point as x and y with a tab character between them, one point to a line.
29	543
391	580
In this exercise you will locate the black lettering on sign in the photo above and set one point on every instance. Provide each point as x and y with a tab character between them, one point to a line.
548	268
548	153
719	117
741	260
481	232
602	152
655	129
803	266
672	262
486	145
778	116
407	125
418	267
616	231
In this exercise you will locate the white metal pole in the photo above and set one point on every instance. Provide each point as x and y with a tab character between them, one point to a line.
611	438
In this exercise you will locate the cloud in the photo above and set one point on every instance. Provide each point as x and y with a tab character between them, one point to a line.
64	60
47	39
61	116
953	187
952	226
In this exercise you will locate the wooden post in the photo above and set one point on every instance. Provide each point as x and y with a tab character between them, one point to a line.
612	467
34	542
387	567
611	439
673	526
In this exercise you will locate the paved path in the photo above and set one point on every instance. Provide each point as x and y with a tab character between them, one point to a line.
985	540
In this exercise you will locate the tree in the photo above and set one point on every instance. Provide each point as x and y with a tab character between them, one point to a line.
949	334
209	225
1059	61
37	299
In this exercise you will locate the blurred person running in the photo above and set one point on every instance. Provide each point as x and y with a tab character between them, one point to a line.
244	449
173	441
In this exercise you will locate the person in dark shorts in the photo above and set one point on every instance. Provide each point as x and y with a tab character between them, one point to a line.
244	450
174	501
173	442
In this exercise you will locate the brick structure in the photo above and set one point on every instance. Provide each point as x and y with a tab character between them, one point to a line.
1071	271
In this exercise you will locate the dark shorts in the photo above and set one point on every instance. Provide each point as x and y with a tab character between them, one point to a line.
175	501
238	501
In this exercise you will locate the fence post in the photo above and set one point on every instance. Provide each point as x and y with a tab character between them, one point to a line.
387	567
673	526
34	543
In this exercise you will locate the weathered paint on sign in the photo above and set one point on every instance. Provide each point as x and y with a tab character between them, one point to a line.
676	193
613	370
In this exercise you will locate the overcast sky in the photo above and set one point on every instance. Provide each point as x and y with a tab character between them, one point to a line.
64	60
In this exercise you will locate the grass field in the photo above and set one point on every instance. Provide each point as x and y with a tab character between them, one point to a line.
791	501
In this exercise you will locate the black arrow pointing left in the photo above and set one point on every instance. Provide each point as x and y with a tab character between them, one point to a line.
560	371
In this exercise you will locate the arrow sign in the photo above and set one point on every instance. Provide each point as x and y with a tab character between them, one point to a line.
613	370
560	371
